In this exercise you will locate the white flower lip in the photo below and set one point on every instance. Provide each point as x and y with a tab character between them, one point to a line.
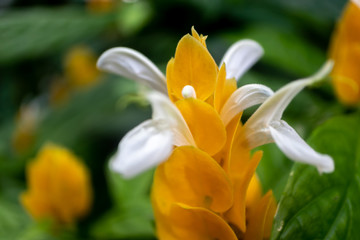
131	64
240	57
357	2
243	98
295	148
266	126
151	140
164	109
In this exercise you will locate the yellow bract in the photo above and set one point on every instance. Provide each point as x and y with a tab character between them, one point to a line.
210	187
205	124
58	186
224	89
208	191
208	225
192	65
345	51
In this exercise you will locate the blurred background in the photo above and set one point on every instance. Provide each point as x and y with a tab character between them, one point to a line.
50	91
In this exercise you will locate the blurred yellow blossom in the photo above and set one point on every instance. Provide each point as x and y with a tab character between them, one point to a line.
205	186
101	6
80	67
59	186
80	72
345	51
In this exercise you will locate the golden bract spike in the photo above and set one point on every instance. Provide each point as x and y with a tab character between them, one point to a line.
59	187
192	65
201	38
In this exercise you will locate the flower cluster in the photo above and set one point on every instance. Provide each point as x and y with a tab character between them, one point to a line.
205	186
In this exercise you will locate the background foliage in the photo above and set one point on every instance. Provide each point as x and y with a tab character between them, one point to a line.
35	37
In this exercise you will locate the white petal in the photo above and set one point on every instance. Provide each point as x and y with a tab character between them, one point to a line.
273	108
243	98
240	57
145	146
131	64
164	109
295	148
357	2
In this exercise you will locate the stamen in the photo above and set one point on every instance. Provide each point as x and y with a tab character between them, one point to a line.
188	92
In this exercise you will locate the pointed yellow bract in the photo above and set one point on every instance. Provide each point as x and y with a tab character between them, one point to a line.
224	89
58	186
260	218
193	65
201	117
198	37
208	225
345	51
210	187
206	191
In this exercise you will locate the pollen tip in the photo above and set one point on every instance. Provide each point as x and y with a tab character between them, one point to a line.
188	92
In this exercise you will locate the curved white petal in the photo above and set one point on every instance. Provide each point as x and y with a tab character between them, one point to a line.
131	64
243	98
357	2
240	57
295	148
273	108
145	146
265	126
164	109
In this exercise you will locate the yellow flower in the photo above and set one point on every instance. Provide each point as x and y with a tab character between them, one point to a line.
205	186
80	72
345	51
80	67
100	6
59	186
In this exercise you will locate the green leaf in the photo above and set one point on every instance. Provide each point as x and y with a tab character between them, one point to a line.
127	191
324	206
38	231
284	49
132	214
133	16
273	160
12	219
116	224
41	31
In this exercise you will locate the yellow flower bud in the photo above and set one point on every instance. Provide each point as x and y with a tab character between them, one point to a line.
58	186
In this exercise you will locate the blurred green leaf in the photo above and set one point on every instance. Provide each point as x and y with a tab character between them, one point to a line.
284	49
38	231
89	110
126	191
41	31
117	225
324	206
133	16
13	219
132	214
273	161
